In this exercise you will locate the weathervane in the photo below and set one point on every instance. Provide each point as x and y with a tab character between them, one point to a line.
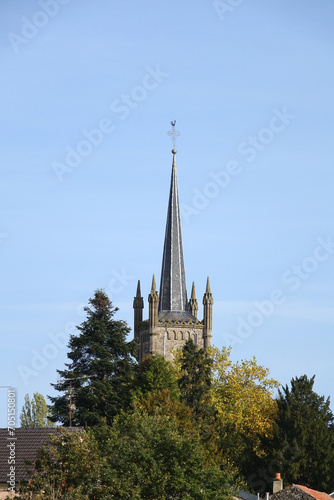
173	133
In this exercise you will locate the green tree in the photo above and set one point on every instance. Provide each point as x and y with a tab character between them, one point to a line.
35	413
195	377
69	469
142	456
161	403
243	394
304	435
155	374
243	397
97	381
150	457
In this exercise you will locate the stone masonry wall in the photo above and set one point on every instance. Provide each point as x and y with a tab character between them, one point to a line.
167	338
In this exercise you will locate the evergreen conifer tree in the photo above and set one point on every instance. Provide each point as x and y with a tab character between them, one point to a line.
96	383
304	436
195	380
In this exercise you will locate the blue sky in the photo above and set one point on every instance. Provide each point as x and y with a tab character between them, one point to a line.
88	90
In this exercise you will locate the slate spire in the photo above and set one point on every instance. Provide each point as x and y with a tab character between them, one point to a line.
173	293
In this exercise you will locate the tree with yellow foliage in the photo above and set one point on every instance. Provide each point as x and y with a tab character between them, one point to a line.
242	395
240	407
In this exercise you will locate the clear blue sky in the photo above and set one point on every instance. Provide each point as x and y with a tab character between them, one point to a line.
88	90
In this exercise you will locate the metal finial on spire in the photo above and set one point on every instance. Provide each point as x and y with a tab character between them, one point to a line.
173	133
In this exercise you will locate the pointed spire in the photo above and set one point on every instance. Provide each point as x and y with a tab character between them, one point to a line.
138	306
193	304
208	289
154	286
173	293
193	295
138	301
207	321
153	300
207	298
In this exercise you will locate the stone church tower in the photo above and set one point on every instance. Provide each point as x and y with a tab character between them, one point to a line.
172	318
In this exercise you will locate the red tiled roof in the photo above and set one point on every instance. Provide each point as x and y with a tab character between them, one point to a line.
319	495
299	492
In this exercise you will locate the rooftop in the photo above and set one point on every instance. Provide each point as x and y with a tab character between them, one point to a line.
28	440
299	492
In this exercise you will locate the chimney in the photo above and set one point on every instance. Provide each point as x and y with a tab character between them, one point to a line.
277	483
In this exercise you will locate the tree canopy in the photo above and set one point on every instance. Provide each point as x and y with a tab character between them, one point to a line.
195	377
142	456
155	458
96	383
304	435
154	374
184	430
70	469
35	413
243	394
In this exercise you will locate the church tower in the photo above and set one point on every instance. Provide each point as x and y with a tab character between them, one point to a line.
172	319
